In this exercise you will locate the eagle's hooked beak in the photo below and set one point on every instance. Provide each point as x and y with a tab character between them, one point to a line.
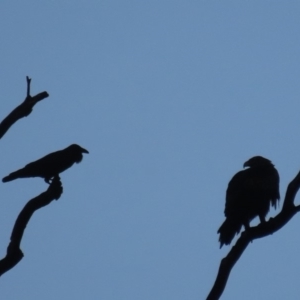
246	164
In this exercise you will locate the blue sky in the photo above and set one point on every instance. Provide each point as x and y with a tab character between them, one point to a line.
170	98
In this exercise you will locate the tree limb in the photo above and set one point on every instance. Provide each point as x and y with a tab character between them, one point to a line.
23	110
263	229
14	254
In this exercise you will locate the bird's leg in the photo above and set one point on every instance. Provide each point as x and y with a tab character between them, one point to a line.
47	180
246	225
262	218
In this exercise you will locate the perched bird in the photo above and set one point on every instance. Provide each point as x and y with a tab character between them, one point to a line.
50	165
249	194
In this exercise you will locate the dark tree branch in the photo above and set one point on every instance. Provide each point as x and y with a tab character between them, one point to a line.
14	254
28	80
263	229
23	110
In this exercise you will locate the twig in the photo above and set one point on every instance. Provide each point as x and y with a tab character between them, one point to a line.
28	86
23	110
262	230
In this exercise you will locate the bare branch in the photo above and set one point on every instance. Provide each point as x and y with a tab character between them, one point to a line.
23	110
14	253
262	230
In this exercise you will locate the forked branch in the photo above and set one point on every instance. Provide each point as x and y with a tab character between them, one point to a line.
23	110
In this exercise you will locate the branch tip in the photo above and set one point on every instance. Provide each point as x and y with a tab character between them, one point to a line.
28	85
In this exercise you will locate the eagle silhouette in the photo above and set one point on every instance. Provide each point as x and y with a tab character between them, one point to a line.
249	194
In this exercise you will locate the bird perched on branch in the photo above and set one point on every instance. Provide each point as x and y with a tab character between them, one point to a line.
50	165
249	194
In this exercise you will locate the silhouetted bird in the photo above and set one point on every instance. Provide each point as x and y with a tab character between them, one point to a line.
249	194
50	165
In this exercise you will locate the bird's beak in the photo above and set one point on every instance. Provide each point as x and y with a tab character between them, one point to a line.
84	150
246	164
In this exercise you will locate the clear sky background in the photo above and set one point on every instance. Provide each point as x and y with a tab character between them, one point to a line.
170	98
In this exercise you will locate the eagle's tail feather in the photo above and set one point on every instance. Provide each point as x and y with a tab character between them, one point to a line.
12	176
227	231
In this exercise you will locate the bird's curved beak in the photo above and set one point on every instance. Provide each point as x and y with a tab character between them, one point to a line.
246	164
84	150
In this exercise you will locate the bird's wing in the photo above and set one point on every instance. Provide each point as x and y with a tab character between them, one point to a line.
239	192
45	162
273	187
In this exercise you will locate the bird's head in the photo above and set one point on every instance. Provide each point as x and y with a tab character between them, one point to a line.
77	148
257	161
76	152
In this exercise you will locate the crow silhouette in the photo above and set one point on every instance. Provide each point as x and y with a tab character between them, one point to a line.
50	165
250	193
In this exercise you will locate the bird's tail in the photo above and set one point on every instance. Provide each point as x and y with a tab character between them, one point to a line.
227	231
11	176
